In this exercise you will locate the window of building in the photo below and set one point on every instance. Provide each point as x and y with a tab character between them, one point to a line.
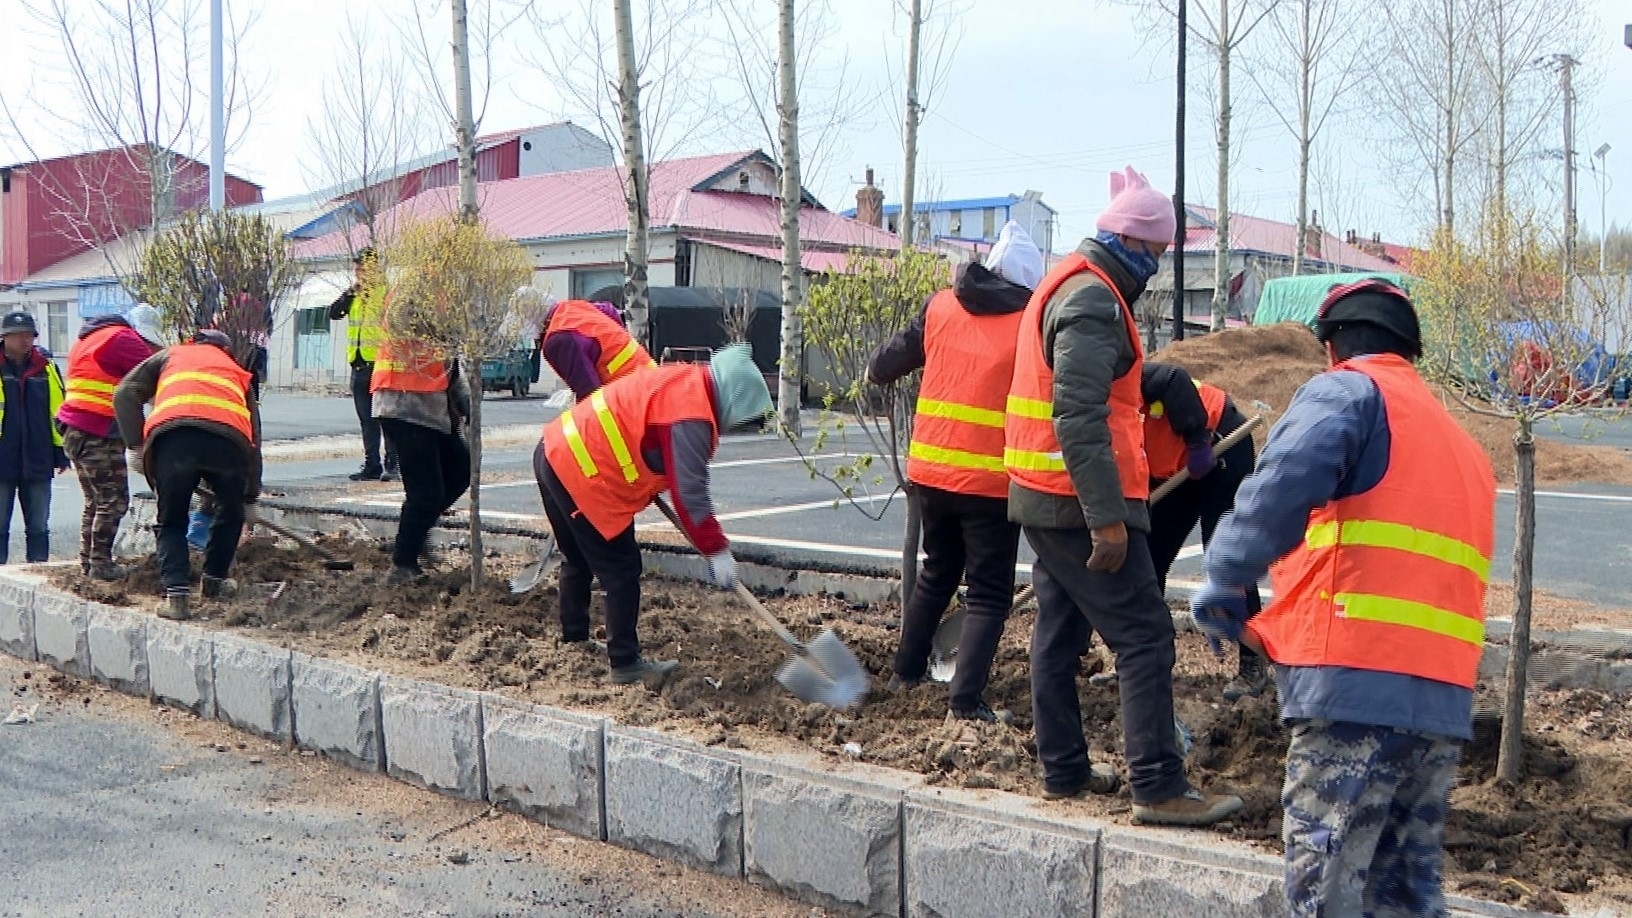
988	224
588	280
892	224
955	223
56	327
312	342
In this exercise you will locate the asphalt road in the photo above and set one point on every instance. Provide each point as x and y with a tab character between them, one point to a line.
116	807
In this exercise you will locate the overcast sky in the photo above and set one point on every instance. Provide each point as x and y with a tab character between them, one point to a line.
1041	94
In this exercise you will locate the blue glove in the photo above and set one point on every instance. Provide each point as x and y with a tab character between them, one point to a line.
1220	611
198	529
1199	459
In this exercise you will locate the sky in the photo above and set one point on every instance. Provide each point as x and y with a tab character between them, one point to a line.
1047	95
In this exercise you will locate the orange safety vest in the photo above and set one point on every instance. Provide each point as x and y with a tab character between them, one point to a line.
1393	580
408	366
1164	449
90	388
1031	451
621	355
957	435
201	382
595	448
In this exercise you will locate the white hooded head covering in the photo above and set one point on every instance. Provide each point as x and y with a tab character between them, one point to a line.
145	320
1015	258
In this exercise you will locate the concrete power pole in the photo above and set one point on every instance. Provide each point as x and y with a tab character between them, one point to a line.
1566	73
793	274
909	172
635	179
1179	233
218	114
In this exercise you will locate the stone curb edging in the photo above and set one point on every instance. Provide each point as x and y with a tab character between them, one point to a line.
864	841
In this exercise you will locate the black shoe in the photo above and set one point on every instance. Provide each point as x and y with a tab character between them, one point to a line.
641	669
367	473
105	570
1251	677
1102	779
218	587
981	713
400	575
898	684
389	475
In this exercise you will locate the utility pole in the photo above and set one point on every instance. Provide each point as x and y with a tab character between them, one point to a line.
1178	182
793	274
1566	65
218	115
635	178
909	174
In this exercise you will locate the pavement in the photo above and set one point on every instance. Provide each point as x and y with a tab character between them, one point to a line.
114	806
768	499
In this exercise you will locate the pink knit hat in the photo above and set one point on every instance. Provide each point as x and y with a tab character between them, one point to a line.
1137	210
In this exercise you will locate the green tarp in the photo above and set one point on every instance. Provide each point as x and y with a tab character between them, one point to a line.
1296	299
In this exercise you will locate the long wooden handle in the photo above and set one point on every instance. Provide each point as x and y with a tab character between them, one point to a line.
747	595
1183	475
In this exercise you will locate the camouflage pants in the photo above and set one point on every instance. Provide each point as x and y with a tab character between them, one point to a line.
1365	819
100	463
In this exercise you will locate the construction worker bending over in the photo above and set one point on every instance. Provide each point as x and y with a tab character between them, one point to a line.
204	427
964	342
586	345
1376	509
422	403
106	350
1183	419
1075	453
605	460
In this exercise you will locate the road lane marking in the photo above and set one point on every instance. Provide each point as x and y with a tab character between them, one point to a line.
1575	495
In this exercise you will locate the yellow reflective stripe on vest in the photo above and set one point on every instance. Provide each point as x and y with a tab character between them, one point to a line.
957	458
614	436
1030	408
1398	536
969	414
209	379
1029	461
1369	607
89	392
89	385
623	356
575	442
206	400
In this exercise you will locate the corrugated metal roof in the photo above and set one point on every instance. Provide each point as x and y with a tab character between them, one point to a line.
1271	237
812	261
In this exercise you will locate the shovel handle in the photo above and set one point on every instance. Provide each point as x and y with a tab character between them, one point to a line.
254	516
747	595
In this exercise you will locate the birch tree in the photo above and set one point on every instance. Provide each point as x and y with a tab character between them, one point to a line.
790	365
909	130
636	180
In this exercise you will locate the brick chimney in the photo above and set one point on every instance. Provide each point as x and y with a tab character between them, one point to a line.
1313	235
870	202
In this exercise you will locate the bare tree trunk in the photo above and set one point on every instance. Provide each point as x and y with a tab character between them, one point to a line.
1510	760
1306	103
634	175
465	138
909	169
1450	112
790	365
1221	244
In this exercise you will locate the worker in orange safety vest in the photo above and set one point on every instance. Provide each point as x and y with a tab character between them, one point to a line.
587	346
963	340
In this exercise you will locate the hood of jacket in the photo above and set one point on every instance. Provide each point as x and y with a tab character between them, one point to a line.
1106	261
983	293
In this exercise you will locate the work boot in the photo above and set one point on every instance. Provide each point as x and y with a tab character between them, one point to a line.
106	570
367	473
981	713
898	684
1102	779
218	587
587	645
430	557
175	608
1191	808
1251	677
389	474
643	669
403	575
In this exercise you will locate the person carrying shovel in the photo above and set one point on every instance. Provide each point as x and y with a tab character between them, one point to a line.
608	458
964	342
205	427
586	345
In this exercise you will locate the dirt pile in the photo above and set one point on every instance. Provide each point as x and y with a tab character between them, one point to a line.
1557	833
1268	363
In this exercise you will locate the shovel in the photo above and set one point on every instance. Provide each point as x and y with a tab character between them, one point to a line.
330	562
823	671
944	648
548	560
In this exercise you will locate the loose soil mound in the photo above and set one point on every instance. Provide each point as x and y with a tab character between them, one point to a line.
1268	363
1563	831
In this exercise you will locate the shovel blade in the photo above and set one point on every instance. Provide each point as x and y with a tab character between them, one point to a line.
806	681
943	650
548	560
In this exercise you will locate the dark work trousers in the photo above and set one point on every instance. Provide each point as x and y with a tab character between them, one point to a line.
588	555
965	537
362	375
1127	610
435	472
177	460
34	494
1202	500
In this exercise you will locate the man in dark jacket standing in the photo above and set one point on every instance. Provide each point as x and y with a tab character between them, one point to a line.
963	340
1075	454
31	453
204	428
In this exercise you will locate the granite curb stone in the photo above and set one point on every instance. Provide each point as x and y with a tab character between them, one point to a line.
118	645
674	801
181	666
252	686
60	639
17	616
856	868
433	736
337	711
545	764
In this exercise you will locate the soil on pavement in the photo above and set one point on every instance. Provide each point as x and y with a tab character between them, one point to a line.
1564	831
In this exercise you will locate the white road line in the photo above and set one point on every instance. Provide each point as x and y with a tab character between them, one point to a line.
736	463
1572	495
799	508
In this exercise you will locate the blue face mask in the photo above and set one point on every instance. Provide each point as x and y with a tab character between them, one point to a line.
1141	265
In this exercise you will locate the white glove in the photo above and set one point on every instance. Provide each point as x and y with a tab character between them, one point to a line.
133	458
722	570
